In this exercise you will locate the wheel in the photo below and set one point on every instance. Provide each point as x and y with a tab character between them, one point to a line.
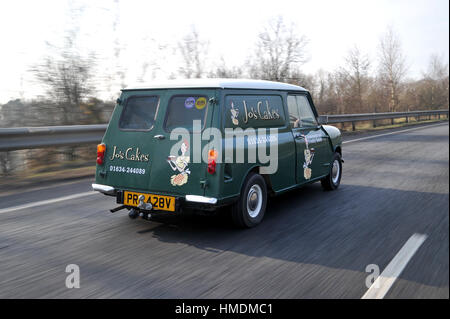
333	179
249	210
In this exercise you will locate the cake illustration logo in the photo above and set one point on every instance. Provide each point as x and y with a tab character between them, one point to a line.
309	156
180	164
234	114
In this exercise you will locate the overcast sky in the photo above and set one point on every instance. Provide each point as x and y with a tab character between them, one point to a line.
231	26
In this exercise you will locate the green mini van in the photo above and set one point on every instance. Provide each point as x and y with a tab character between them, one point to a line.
203	144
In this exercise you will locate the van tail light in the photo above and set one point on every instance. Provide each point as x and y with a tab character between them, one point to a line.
211	167
101	150
212	157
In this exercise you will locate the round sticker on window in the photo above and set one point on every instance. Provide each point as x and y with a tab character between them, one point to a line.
189	103
200	103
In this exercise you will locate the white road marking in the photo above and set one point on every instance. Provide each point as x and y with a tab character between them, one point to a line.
45	202
387	278
396	132
56	184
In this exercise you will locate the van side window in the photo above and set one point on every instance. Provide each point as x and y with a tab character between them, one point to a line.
139	113
300	112
307	117
294	116
183	110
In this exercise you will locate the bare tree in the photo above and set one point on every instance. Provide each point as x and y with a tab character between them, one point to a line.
307	81
67	75
224	71
432	90
322	86
68	79
437	68
327	96
341	92
193	52
152	55
357	75
392	68
279	50
114	76
119	69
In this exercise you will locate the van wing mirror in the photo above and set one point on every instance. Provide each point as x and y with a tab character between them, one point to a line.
323	119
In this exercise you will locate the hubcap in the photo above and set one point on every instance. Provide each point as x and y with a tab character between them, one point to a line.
335	171
254	201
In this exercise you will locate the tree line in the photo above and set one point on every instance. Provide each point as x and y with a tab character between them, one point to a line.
361	85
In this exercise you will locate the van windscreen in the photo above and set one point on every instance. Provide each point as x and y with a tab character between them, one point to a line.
183	110
139	113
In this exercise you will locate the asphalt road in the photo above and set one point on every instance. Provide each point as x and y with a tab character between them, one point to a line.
312	244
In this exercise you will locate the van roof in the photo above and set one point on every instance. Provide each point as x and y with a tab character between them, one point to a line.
218	83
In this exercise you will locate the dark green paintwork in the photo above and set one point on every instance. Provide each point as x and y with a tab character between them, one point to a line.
226	183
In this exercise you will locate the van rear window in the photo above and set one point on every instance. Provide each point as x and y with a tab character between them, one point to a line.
139	113
183	110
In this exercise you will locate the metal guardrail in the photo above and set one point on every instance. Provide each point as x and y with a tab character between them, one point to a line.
39	137
345	118
341	118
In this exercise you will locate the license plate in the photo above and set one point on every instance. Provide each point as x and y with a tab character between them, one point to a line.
158	202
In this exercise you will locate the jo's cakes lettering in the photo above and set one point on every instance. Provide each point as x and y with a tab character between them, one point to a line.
130	154
262	111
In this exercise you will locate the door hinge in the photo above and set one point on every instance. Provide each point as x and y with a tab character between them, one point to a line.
204	184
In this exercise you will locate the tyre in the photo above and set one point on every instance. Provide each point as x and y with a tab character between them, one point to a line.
333	179
249	210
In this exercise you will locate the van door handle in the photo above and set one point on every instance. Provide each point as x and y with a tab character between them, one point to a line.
159	137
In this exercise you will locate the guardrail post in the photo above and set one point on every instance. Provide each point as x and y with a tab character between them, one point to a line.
407	120
374	123
392	121
353	126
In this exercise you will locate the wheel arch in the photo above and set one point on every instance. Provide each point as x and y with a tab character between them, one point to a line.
255	169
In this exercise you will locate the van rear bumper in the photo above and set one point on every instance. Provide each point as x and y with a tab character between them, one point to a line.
189	201
201	199
105	189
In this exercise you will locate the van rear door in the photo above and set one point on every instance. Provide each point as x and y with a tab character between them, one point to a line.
139	147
